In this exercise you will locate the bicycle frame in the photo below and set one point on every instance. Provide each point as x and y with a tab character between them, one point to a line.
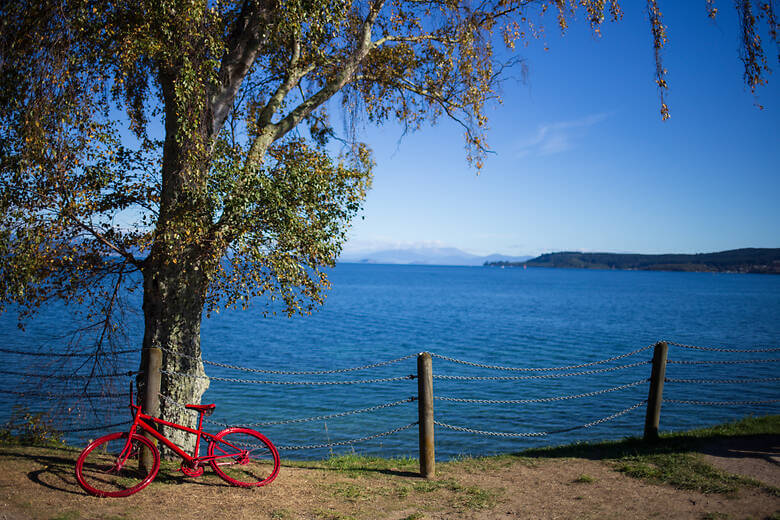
140	424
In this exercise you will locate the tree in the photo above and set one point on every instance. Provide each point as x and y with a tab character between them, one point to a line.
228	167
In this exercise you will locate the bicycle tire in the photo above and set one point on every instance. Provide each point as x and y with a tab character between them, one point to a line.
240	466
95	467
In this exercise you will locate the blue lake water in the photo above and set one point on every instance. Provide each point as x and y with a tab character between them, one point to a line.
509	317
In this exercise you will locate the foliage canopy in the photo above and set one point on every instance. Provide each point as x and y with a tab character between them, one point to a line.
191	140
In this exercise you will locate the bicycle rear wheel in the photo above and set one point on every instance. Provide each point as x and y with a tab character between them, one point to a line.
98	468
244	457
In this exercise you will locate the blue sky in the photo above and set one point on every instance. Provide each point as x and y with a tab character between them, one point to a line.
583	160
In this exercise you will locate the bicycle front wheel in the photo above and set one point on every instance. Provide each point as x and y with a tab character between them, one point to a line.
244	457
106	469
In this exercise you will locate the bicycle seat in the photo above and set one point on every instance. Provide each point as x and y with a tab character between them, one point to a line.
205	409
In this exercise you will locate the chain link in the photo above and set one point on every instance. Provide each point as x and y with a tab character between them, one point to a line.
293	421
541	434
260	382
721	403
493	434
715	349
604	419
723	362
527	369
542	376
74	376
58	396
63	354
543	399
725	381
290	372
351	441
74	430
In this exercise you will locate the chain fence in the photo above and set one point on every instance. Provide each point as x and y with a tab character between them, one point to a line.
722	381
303	383
69	354
294	421
685	372
541	376
721	362
464	382
69	376
350	441
722	403
720	349
541	399
536	369
543	433
290	372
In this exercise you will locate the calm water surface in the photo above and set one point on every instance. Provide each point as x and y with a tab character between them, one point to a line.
511	317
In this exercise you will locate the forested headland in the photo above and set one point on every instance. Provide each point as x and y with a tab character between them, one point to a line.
748	260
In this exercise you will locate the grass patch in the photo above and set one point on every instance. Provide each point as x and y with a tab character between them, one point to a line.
668	442
349	491
482	464
672	459
329	514
354	465
466	497
681	470
584	479
475	498
68	515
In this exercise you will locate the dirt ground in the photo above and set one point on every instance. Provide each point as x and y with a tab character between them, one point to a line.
38	483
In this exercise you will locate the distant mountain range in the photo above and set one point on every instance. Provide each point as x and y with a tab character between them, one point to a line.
749	260
427	256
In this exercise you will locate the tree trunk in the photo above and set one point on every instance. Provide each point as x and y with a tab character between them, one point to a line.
173	300
177	269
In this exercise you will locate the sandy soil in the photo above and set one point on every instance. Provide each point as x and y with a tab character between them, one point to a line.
38	483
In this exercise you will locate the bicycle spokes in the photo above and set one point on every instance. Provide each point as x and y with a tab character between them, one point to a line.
111	467
244	457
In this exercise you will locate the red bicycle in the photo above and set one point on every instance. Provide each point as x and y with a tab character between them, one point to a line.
111	465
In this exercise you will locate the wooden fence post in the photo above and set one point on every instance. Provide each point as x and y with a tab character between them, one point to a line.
151	395
655	397
425	411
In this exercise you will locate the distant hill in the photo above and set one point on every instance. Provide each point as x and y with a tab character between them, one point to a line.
751	260
427	256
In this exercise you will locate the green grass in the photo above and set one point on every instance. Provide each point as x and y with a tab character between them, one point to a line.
681	470
351	492
668	442
465	497
354	465
584	479
322	514
672	459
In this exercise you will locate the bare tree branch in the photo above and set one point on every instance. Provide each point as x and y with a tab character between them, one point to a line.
243	45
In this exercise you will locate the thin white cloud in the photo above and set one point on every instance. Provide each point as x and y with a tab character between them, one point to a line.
557	137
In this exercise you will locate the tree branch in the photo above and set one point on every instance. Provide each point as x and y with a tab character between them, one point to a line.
103	240
273	131
242	47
